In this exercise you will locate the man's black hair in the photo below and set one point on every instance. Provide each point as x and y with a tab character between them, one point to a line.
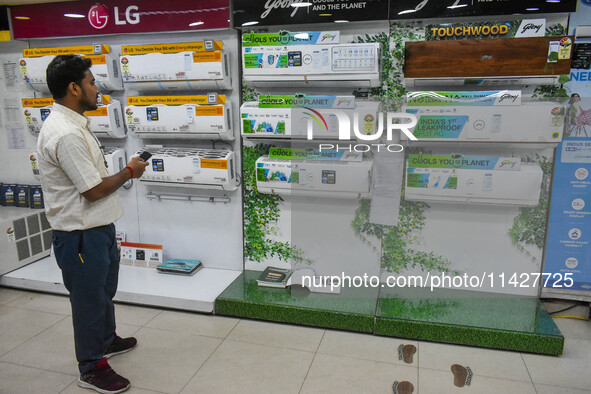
63	70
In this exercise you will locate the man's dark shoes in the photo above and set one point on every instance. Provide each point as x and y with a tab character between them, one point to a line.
103	379
120	345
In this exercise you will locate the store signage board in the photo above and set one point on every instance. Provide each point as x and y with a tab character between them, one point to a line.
423	9
88	18
289	12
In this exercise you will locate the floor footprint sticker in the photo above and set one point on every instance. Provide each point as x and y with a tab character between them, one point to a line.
403	387
406	353
462	375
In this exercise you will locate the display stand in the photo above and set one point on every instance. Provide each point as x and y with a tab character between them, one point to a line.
137	285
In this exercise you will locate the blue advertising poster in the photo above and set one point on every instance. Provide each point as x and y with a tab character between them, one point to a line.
568	249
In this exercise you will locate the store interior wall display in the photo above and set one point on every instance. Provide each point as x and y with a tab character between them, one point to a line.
386	167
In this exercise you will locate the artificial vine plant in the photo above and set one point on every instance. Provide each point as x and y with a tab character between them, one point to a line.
397	242
261	211
529	227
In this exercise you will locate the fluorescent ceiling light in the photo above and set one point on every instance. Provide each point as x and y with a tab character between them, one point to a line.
74	16
341	21
304	4
406	12
250	23
552	1
532	9
302	36
22	17
196	23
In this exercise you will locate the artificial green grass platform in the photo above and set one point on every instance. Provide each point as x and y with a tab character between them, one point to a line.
443	315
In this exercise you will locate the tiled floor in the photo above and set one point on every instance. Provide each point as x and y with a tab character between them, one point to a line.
192	353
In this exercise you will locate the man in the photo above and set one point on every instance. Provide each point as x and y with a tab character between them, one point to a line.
81	206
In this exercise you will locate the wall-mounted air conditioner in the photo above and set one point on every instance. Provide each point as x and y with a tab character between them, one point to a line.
504	61
105	121
294	122
115	158
539	122
105	65
187	117
192	167
181	66
27	237
583	33
477	186
344	65
335	179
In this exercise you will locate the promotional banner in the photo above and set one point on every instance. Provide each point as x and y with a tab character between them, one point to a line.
421	9
479	30
84	18
282	12
502	97
287	38
568	253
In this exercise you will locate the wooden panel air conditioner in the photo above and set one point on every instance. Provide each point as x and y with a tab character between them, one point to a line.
507	58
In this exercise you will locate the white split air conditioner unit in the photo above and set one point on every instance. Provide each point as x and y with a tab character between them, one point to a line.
293	122
183	121
344	65
183	66
105	66
533	122
335	179
496	187
191	167
105	121
116	160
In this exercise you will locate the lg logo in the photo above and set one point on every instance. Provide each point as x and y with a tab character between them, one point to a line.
98	16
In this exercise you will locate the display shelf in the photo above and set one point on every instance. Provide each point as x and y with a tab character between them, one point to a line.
468	318
445	315
137	285
353	309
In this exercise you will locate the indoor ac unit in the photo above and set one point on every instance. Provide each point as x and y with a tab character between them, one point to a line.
344	65
115	158
293	122
503	61
183	66
336	179
192	167
498	187
27	237
105	121
539	122
105	67
186	121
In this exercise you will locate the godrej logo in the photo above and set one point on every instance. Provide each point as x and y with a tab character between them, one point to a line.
394	121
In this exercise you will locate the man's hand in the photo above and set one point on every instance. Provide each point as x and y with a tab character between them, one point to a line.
137	166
